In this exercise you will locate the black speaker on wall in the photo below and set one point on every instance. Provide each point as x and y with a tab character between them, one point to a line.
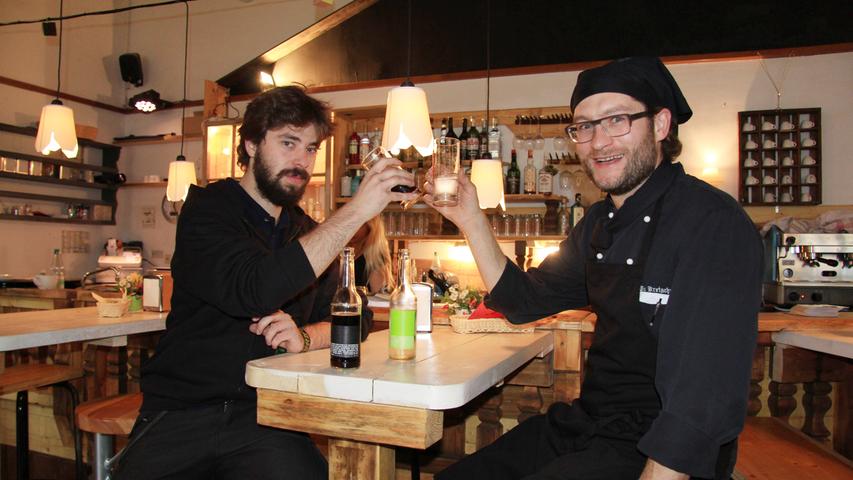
131	68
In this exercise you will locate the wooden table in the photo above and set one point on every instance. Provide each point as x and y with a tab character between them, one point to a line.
385	403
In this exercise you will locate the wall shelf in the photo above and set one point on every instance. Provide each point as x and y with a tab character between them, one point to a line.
38	218
129	142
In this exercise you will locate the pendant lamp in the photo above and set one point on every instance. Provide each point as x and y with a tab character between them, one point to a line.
182	172
407	113
487	173
56	125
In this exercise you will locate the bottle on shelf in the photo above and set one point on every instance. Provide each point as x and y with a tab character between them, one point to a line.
450	132
402	313
375	139
473	141
345	347
564	217
484	140
494	139
546	178
577	210
353	147
513	176
443	132
57	268
346	184
530	174
436	263
355	182
364	146
463	140
420	174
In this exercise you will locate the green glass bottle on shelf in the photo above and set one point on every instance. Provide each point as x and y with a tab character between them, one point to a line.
513	176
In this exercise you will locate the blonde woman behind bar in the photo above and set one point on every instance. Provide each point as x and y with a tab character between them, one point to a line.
373	258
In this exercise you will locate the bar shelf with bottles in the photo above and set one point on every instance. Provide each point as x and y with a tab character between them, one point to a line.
359	130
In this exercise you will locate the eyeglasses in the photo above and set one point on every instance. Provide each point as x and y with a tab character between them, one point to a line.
614	126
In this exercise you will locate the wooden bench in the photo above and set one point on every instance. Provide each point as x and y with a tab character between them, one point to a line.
768	448
105	418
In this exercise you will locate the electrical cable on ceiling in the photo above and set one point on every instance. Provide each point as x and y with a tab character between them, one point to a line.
90	14
184	97
59	63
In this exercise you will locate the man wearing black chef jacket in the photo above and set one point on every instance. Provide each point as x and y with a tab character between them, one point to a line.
250	276
672	268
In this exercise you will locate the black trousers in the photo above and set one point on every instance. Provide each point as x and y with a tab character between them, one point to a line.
219	442
562	444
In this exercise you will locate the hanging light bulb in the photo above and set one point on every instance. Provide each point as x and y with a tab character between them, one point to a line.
181	172
407	120
56	124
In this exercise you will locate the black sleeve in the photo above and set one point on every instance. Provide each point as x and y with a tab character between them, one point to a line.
559	283
705	344
217	260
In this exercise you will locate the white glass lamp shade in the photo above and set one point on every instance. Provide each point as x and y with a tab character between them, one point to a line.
487	176
57	131
407	122
181	175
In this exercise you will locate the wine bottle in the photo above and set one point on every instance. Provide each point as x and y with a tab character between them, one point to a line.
494	139
473	141
513	176
577	210
450	132
463	140
345	348
353	147
402	313
484	140
443	131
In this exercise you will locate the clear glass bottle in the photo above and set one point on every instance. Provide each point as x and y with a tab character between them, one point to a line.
57	268
345	345
484	140
402	314
530	174
495	139
546	179
564	218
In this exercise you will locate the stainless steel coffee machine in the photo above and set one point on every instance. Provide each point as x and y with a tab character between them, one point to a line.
809	268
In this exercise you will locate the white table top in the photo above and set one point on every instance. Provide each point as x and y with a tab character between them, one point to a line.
449	369
50	327
833	342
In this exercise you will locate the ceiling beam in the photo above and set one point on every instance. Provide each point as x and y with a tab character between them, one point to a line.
322	26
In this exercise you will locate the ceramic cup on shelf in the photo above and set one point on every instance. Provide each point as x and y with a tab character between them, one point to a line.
750	162
807	124
787	162
806	197
748	126
769	180
788	143
786	197
809	142
750	180
786	126
811	178
769	144
769	197
769	162
750	145
768	126
808	160
787	180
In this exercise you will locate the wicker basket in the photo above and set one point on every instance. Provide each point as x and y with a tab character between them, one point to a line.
463	324
113	307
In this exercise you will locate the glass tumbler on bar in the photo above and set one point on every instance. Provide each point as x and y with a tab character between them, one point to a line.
377	154
445	173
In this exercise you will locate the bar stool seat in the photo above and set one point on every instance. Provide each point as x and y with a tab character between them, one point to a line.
21	379
105	418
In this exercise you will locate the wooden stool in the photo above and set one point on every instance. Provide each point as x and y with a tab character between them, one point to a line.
107	417
21	379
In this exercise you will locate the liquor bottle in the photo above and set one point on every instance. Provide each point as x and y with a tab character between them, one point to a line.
375	139
546	178
463	140
473	141
355	182
353	146
564	218
450	132
513	176
346	184
402	313
494	142
484	140
577	210
57	268
436	263
443	132
364	146
420	174
345	345
530	174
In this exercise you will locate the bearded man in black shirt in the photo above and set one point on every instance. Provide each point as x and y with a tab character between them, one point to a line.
250	276
672	268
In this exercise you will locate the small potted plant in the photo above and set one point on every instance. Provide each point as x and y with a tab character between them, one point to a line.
461	301
131	287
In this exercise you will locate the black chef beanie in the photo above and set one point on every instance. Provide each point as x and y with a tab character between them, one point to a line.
644	78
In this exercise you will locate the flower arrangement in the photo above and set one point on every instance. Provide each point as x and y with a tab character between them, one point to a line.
130	285
461	301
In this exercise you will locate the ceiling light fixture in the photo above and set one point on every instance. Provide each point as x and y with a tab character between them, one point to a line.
56	125
407	120
182	172
148	101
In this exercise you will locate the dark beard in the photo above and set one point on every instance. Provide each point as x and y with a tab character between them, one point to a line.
270	185
639	168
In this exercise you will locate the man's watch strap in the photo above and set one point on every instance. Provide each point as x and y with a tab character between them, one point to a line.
306	340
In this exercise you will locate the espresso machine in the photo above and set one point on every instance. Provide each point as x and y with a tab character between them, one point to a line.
808	268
